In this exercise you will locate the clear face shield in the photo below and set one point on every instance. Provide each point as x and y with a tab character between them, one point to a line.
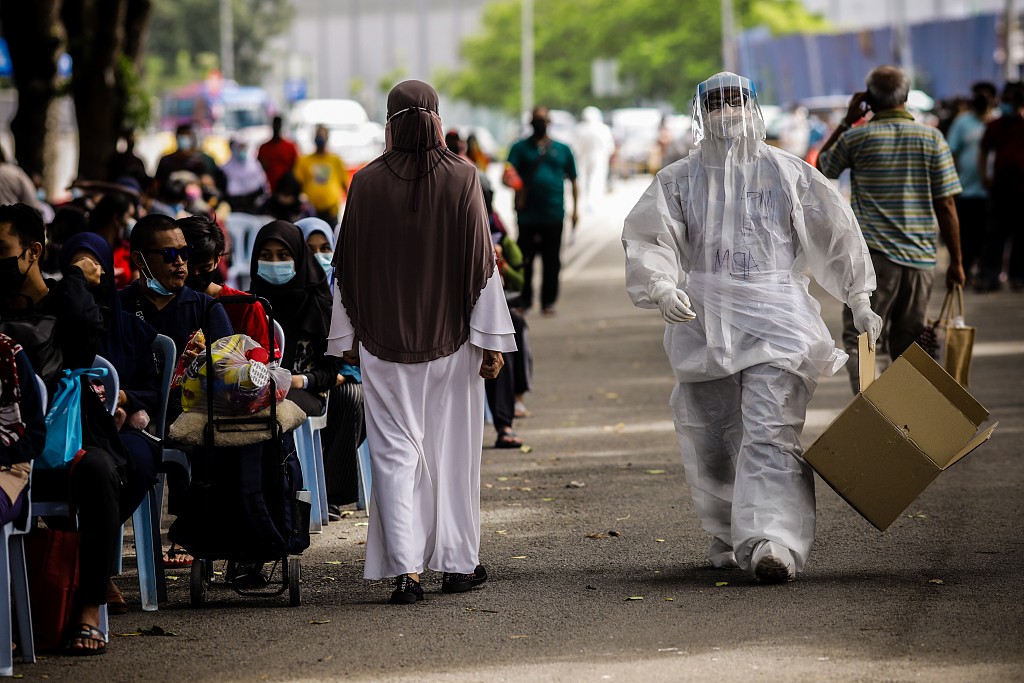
725	107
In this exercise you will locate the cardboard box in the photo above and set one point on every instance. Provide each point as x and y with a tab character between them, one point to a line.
903	430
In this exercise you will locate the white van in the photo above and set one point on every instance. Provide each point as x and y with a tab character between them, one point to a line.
353	137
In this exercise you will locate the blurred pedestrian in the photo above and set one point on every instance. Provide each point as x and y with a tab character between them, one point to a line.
15	185
1002	144
594	147
125	162
964	140
543	165
719	243
903	181
277	155
418	292
323	177
187	156
246	182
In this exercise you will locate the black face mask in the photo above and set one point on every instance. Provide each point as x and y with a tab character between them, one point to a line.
200	281
11	277
540	128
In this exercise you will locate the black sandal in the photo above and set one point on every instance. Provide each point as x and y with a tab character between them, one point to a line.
86	632
508	440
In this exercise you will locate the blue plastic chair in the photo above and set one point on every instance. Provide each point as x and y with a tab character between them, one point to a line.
365	477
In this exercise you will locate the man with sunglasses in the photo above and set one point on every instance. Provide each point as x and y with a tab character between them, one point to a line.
720	243
160	297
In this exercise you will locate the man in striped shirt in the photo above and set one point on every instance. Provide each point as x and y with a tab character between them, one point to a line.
903	182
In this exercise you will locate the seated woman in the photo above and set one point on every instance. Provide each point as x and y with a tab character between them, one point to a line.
128	345
22	429
287	275
345	429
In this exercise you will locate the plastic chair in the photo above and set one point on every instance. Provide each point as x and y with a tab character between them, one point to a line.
111	388
365	477
14	582
243	228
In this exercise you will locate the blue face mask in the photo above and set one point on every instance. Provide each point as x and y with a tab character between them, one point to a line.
325	262
154	284
1007	109
184	143
276	272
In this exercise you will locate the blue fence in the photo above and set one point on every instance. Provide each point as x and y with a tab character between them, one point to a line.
948	56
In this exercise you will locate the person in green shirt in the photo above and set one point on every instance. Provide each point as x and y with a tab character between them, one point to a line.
544	165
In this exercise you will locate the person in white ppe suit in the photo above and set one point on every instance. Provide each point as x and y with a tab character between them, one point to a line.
593	146
720	243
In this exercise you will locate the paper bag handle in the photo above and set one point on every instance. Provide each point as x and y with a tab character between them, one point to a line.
866	361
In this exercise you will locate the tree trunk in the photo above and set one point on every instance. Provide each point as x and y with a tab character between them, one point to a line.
35	38
95	42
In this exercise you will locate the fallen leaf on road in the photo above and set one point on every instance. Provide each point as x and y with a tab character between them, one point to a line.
654	471
362	524
488	486
329	578
333	562
591	588
547	500
575	484
668	649
319	621
611	395
172	577
719	584
502	478
669	600
126	635
525	448
519	557
635	597
597	535
659	540
623	519
501	532
516	637
525	488
613	533
936	581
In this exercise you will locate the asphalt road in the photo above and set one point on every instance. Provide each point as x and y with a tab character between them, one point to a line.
937	597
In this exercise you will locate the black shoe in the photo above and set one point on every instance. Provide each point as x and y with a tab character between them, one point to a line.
460	583
407	591
247	575
333	513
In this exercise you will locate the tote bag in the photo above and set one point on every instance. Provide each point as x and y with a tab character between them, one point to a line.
64	420
948	339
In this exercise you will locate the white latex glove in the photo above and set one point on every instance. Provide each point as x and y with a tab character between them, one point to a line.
673	302
864	318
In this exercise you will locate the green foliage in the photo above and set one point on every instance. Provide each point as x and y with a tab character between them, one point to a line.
137	100
663	49
192	28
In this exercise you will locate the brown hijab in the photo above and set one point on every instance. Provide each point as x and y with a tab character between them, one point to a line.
415	250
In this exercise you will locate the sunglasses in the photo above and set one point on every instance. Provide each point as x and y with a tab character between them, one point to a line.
172	254
716	100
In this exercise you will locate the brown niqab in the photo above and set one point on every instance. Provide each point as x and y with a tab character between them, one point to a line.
414	250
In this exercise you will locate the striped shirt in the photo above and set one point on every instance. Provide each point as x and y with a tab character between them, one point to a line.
898	167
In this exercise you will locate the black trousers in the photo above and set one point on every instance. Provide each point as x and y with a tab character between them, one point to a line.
544	240
1006	232
103	504
974	219
344	431
501	391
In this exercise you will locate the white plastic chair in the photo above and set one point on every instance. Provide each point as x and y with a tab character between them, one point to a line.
242	227
14	581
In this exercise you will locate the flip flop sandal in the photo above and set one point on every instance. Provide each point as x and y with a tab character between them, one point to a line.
508	440
175	559
86	632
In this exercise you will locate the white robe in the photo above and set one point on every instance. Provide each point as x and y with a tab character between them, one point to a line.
424	424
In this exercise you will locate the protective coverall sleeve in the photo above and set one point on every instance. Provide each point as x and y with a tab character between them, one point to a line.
830	238
649	237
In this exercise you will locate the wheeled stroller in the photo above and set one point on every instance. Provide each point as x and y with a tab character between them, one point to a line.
246	504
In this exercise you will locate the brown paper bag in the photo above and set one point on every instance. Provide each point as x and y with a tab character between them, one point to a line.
947	339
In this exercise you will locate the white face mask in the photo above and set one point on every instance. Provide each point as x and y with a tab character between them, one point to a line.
729	122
